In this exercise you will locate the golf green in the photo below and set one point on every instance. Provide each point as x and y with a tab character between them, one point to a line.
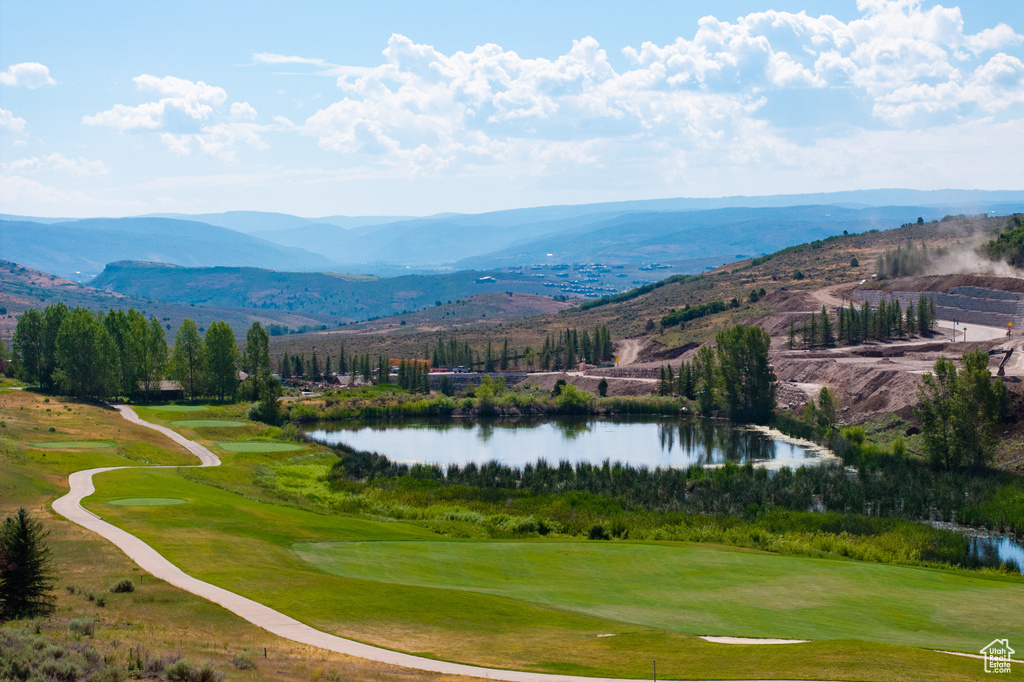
178	408
207	423
259	446
146	501
71	444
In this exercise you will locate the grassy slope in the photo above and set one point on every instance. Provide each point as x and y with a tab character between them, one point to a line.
161	619
231	540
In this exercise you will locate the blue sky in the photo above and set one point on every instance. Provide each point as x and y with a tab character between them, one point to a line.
411	108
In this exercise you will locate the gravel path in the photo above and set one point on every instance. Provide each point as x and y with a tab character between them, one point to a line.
69	506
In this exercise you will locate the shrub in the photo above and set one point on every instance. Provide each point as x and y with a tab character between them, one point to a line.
101	600
243	661
182	671
109	674
83	626
123	585
597	532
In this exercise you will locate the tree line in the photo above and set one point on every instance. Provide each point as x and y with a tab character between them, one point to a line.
94	355
852	326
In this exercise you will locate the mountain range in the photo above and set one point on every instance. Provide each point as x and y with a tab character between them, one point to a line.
690	233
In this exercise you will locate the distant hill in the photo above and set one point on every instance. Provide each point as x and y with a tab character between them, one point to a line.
718	234
620	232
342	297
81	249
22	288
256	222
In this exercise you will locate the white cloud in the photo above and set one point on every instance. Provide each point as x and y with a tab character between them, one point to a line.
27	75
188	116
180	88
271	58
243	111
55	162
896	66
9	123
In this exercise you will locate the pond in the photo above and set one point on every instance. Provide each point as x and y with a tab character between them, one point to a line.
638	442
996	549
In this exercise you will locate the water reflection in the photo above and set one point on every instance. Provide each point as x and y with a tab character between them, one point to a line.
651	443
994	550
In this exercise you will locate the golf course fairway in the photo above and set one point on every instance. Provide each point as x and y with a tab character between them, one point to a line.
541	605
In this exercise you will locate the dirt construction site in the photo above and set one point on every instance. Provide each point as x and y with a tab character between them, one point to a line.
873	378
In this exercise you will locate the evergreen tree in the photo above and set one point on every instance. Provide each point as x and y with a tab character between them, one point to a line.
911	319
314	367
792	334
865	321
923	323
813	333
826	329
284	368
841	326
489	361
26	577
602	387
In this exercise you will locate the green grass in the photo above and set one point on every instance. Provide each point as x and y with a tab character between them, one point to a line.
146	502
559	596
207	423
699	589
178	408
266	446
70	444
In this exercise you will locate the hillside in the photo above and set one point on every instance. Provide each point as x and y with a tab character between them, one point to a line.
820	264
341	297
80	249
22	288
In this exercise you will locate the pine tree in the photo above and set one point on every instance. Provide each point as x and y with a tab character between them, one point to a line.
931	313
841	325
26	577
814	330
792	333
911	319
923	323
826	329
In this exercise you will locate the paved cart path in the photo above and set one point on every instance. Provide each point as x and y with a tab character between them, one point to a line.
151	561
